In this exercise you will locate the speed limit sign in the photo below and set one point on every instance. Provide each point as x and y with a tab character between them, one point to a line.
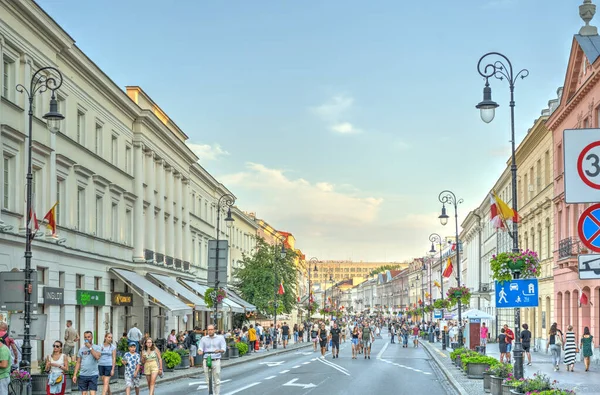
582	165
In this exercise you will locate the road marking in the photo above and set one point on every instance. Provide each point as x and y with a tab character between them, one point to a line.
243	388
314	359
296	367
271	364
385	346
270	377
305	363
284	371
292	383
336	367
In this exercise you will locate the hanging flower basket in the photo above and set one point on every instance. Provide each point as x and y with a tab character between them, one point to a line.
428	309
461	293
214	296
440	304
506	264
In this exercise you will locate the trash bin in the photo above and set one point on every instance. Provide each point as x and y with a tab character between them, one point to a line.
431	335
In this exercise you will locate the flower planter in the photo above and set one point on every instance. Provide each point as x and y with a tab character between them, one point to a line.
17	388
121	371
457	361
38	384
225	355
507	389
198	360
496	386
233	352
487	381
185	363
475	370
515	392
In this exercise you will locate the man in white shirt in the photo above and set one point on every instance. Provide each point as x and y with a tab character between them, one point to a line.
135	336
212	345
260	334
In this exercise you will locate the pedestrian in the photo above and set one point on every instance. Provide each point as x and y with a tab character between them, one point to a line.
172	340
4	367
9	342
555	345
71	337
190	345
510	336
295	333
135	335
502	344
301	333
313	336
483	334
152	364
570	348
285	334
354	336
214	346
526	342
86	368
132	362
322	335
107	362
587	347
57	364
251	337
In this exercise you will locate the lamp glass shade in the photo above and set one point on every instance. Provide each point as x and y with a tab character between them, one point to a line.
53	117
283	253
432	250
487	114
229	220
443	216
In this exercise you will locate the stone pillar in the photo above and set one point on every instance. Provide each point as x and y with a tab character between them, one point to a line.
170	227
187	233
177	243
150	185
138	207
160	202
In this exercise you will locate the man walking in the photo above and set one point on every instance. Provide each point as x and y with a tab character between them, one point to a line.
334	336
87	365
71	337
510	336
285	333
4	368
483	334
212	345
135	336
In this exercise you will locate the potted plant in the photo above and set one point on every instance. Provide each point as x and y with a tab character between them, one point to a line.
18	381
539	382
120	367
509	383
499	373
461	293
440	303
39	380
242	348
122	347
214	296
170	360
231	348
475	365
69	376
506	264
185	358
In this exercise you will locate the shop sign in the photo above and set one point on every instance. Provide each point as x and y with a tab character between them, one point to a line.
54	296
122	299
90	298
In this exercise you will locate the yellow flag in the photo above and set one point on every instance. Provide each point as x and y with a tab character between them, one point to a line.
504	211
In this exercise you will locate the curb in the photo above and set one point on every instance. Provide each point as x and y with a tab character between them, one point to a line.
457	386
237	361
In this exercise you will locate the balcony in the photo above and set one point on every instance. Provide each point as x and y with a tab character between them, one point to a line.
186	266
569	247
160	258
169	261
149	256
178	264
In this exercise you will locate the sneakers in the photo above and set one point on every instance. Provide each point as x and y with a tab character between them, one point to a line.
528	363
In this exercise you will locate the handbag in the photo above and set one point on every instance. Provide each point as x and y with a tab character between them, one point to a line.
557	340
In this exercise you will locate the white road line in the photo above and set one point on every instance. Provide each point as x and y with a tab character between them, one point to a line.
385	346
270	377
296	367
284	371
242	389
336	367
305	363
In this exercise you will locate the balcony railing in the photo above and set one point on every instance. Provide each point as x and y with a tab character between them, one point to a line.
149	255
571	246
160	258
186	266
169	261
177	263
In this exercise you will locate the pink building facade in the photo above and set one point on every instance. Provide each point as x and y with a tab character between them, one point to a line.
579	108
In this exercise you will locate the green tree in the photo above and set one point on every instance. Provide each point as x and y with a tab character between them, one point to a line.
260	274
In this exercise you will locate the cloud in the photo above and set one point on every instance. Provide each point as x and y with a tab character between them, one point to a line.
335	112
206	152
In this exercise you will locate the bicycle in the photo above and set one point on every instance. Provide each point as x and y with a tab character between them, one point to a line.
209	366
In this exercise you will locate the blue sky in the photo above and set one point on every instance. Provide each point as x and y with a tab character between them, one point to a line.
339	121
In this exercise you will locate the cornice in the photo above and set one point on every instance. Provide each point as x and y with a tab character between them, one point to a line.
12	133
64	161
129	196
99	180
83	171
577	98
114	188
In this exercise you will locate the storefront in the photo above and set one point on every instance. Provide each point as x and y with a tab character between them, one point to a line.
89	308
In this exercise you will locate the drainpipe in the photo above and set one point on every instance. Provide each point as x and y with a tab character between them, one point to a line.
478	256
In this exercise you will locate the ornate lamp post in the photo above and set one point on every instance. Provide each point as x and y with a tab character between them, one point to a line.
434	238
46	78
500	70
448	197
312	261
282	254
424	270
227	200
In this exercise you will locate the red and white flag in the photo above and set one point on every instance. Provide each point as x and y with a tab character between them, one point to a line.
496	219
33	224
583	299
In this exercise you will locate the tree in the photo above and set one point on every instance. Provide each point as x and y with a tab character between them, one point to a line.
260	274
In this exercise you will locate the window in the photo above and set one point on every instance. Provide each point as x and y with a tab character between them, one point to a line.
114	150
79	281
98	140
61	279
128	227
114	220
112	285
99	216
42	275
80	208
547	168
5	78
128	159
6	171
80	126
97	283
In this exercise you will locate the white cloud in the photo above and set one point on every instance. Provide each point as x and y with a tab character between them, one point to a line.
207	152
344	128
335	112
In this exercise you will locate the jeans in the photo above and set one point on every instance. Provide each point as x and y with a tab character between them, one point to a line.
216	374
555	351
4	385
295	337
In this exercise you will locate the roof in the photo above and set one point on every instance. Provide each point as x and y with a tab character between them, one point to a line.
590	46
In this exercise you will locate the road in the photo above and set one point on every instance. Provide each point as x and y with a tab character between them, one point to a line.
391	370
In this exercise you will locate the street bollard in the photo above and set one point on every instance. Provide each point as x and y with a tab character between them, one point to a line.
443	339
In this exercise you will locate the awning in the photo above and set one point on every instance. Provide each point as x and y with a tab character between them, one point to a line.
159	296
182	291
201	289
237	299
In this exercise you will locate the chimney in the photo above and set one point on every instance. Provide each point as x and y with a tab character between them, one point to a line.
586	12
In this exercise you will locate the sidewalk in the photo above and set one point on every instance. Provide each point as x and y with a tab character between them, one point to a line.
119	386
580	381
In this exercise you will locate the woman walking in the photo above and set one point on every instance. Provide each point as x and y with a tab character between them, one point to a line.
570	348
555	345
152	362
587	347
56	365
502	345
354	342
295	333
252	338
301	333
322	335
107	362
313	336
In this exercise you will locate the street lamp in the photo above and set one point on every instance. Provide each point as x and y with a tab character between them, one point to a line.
499	70
312	261
282	254
448	197
434	238
227	200
46	78
424	269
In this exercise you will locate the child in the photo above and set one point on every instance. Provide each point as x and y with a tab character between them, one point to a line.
131	360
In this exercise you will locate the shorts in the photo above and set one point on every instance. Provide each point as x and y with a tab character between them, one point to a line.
87	383
285	337
104	371
335	344
323	343
131	381
68	350
314	339
355	341
526	347
193	351
508	347
483	341
366	343
150	367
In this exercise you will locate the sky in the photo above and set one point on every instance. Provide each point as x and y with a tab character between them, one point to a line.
339	121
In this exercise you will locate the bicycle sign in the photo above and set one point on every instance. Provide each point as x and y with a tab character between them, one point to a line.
581	160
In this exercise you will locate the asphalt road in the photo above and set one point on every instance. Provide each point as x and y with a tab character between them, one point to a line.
391	370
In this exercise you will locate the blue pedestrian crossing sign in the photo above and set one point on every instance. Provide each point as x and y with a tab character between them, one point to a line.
517	293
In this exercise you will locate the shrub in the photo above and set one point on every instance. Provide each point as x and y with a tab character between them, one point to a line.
478	358
171	358
539	382
501	370
123	345
183	352
242	348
